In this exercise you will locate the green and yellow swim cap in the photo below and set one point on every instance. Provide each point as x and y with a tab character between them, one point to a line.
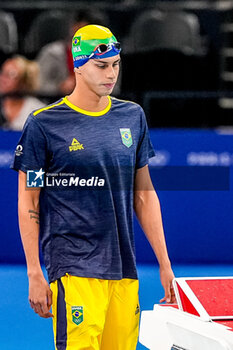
93	41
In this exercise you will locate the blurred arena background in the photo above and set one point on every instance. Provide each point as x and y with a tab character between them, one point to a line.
177	62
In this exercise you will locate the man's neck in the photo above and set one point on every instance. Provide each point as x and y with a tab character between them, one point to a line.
88	100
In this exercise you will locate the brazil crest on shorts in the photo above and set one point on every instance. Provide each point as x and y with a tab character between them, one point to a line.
77	314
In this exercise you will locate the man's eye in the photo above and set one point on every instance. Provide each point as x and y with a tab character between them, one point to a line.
101	66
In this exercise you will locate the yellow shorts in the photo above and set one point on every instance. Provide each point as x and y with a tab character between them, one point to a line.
95	314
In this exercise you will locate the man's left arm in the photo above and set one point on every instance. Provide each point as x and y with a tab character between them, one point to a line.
147	209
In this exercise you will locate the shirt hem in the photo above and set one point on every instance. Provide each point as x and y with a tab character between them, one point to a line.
89	274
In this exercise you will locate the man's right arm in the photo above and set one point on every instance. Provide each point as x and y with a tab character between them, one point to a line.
40	295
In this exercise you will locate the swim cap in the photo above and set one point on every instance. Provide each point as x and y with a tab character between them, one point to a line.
93	41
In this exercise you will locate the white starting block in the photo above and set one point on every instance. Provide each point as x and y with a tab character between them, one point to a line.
202	320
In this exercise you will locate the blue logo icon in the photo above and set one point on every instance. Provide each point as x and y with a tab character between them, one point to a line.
35	178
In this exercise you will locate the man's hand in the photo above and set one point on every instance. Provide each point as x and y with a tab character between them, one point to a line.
166	277
40	296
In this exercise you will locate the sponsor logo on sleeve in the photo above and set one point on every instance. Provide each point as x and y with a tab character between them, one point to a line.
19	150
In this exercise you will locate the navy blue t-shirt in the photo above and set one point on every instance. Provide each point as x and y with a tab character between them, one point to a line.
86	204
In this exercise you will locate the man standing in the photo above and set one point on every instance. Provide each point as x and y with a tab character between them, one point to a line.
94	150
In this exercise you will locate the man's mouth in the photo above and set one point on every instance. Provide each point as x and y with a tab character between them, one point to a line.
109	85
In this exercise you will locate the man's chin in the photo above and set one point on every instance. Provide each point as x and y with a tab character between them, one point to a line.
106	92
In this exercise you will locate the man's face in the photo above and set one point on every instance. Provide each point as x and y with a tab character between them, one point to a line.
100	75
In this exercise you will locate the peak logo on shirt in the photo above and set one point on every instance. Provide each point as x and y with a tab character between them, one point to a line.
75	145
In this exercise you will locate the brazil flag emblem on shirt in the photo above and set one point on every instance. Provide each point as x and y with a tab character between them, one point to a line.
77	314
126	137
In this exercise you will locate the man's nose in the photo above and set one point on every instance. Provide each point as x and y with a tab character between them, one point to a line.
111	72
